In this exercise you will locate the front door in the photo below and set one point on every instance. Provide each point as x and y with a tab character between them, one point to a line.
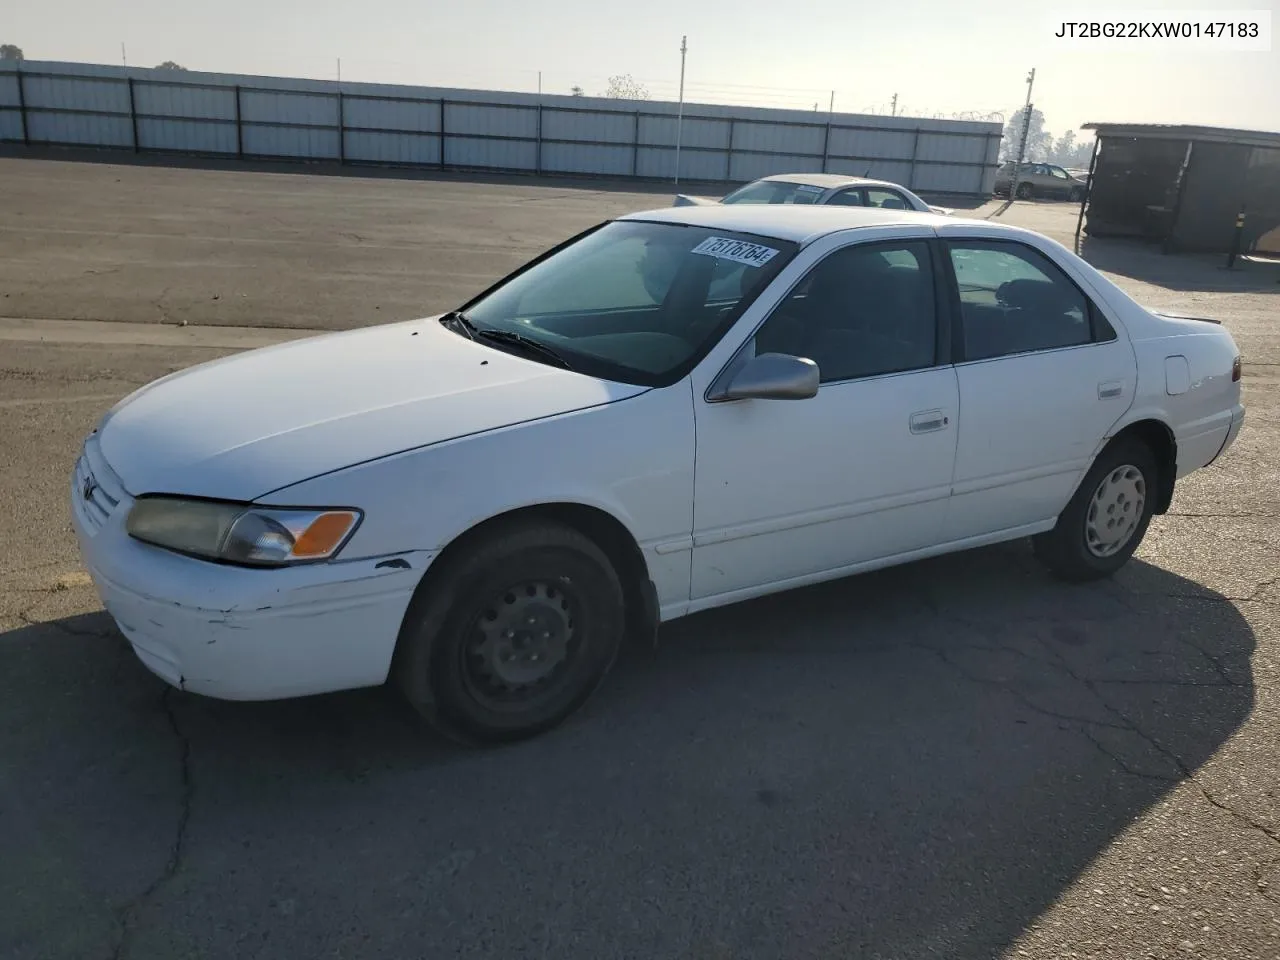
789	491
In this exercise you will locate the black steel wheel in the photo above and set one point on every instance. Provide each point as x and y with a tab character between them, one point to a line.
1025	191
513	635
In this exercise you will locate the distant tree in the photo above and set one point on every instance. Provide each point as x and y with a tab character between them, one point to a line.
1063	150
1039	140
10	51
626	87
577	91
1067	152
170	65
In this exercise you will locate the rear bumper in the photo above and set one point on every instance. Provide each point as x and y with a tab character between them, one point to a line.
1237	421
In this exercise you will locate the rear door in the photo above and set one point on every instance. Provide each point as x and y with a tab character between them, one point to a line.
1042	374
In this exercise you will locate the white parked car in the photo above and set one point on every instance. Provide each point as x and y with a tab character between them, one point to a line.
674	411
819	188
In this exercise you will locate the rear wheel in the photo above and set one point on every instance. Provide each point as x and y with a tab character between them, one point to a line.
1076	194
1107	518
513	636
1025	191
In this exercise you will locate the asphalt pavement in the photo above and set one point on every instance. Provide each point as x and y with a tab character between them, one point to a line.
958	758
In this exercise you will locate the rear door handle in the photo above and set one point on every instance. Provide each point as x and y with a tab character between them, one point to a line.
1109	389
929	421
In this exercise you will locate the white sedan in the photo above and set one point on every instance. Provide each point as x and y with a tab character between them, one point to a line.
673	411
819	188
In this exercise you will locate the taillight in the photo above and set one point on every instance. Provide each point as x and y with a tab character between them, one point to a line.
1235	370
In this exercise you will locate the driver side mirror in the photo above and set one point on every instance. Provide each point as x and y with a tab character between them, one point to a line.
770	376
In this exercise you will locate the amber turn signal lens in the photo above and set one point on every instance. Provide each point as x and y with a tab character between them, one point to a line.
324	534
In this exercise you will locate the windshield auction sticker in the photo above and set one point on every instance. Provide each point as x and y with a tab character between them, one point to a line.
752	254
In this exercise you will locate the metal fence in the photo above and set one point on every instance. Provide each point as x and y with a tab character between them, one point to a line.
260	117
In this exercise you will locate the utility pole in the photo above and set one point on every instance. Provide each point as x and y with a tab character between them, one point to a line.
539	83
893	109
124	61
831	108
1022	145
684	49
339	69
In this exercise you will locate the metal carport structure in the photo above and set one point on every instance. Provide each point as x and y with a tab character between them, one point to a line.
1185	187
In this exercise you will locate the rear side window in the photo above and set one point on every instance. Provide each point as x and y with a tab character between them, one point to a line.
1014	299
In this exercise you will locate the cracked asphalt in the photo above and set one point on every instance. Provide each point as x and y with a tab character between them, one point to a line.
959	758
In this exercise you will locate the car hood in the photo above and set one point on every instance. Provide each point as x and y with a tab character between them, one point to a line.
243	426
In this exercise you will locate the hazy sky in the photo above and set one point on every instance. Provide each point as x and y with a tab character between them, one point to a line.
938	55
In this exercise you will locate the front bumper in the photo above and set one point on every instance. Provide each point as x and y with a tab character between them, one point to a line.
232	632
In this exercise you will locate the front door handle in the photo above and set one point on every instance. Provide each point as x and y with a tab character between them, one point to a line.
929	421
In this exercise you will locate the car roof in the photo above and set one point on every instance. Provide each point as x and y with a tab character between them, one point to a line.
825	180
830	181
799	223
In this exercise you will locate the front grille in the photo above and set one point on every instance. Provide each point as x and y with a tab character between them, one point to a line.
97	490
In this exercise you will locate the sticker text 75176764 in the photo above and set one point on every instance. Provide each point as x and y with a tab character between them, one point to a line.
739	251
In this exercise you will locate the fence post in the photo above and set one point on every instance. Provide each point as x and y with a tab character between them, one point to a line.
826	145
537	156
442	134
133	116
1235	240
342	129
635	147
22	106
239	128
728	154
915	150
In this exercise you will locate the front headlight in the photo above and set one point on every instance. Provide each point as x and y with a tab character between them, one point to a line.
240	533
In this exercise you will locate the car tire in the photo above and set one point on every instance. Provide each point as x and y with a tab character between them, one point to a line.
1025	191
1107	517
513	635
1076	194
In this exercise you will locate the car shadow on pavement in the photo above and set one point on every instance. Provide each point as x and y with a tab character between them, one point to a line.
911	763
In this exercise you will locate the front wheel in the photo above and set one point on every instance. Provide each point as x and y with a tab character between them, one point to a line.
1107	518
513	635
1025	191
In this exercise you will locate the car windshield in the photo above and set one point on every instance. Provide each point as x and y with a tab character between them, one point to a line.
775	191
634	301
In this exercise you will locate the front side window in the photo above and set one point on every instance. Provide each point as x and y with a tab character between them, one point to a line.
775	191
865	310
1059	173
1013	299
888	199
847	198
634	301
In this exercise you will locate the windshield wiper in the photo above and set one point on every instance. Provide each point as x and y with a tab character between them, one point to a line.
460	322
528	344
456	320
